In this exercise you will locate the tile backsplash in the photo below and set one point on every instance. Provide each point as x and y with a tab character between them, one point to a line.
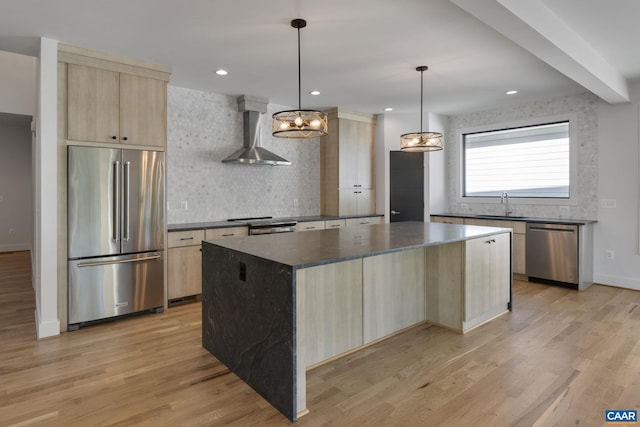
585	107
202	129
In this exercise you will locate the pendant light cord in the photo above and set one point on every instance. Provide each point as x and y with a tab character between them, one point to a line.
421	96
299	73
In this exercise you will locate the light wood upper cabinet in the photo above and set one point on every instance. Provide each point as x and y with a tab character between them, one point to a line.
355	153
143	110
347	165
112	99
93	104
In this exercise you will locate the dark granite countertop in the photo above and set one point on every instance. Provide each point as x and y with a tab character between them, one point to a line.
225	224
301	250
520	218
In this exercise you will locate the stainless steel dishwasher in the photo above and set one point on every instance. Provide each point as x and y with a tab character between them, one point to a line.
552	253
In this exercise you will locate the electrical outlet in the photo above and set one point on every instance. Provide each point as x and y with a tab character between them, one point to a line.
184	206
609	253
564	209
608	203
295	203
464	206
12	231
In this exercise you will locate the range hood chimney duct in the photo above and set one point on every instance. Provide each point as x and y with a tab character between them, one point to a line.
252	152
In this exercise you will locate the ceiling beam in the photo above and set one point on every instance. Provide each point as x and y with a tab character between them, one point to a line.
533	26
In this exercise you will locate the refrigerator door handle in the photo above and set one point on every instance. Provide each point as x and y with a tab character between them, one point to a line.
116	201
120	261
127	191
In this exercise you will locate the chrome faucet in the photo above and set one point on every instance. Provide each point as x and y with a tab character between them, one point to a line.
504	199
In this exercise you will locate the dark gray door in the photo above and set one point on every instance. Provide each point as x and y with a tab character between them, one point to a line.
406	186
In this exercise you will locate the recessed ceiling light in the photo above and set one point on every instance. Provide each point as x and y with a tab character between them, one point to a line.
388	109
222	72
314	92
511	92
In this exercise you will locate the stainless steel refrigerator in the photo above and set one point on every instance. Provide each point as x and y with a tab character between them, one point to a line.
116	209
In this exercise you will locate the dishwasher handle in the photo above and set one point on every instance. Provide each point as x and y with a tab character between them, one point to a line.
563	230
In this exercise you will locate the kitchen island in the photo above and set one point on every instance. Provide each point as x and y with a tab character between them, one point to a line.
274	306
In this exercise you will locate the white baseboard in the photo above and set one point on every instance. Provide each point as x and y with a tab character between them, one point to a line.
46	329
618	281
15	247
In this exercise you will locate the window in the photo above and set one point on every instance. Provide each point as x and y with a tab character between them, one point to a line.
531	161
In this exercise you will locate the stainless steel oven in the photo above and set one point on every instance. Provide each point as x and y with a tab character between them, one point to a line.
267	225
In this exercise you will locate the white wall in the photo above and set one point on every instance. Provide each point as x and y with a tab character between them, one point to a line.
389	128
17	83
16	192
45	256
438	198
617	229
17	105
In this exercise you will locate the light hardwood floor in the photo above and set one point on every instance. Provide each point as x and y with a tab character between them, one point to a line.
561	358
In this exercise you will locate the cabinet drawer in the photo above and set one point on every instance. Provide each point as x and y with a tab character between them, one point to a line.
221	233
185	238
310	226
447	220
364	221
519	227
335	223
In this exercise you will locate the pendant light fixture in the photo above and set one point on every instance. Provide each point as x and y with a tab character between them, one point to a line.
421	141
299	123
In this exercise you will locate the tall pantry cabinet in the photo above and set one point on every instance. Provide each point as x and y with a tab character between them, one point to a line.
347	164
104	100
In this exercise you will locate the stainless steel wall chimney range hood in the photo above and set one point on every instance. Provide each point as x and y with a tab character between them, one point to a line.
252	152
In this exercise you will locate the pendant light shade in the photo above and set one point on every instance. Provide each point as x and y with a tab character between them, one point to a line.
416	142
299	123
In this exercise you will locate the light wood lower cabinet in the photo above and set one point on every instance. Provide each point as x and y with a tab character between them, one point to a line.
447	219
519	239
519	235
310	226
369	220
335	223
222	233
184	272
184	260
184	263
487	278
462	295
329	310
393	292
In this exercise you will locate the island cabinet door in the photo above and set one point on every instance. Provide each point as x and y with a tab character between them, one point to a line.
393	292
487	278
329	310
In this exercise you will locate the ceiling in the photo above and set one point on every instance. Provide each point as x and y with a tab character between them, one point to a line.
361	54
